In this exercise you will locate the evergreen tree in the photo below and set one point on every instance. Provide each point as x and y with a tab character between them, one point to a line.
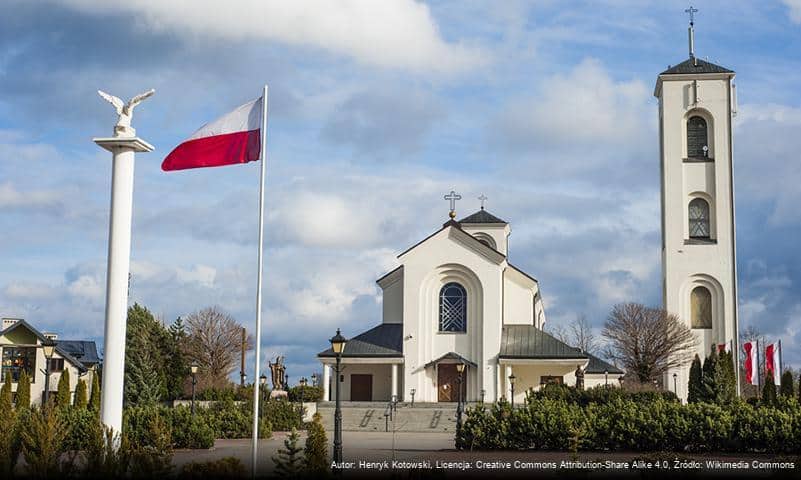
94	398
24	390
708	375
725	383
80	395
799	388
144	357
289	461
769	392
6	404
177	362
787	388
695	388
63	397
316	452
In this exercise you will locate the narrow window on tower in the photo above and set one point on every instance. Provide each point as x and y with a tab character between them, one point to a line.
701	308
697	138
452	308
698	214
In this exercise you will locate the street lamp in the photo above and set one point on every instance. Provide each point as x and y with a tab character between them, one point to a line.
193	369
483	393
459	380
512	385
413	391
263	389
303	382
48	347
338	346
620	379
675	384
314	379
606	378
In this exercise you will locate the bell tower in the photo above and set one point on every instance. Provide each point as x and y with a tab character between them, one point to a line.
699	271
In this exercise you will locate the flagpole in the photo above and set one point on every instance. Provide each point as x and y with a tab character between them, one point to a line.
257	361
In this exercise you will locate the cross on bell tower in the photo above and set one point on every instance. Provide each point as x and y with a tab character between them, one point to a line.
452	197
691	30
483	198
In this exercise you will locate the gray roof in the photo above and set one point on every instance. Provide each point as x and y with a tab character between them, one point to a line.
699	66
597	365
451	356
528	341
385	340
83	350
481	216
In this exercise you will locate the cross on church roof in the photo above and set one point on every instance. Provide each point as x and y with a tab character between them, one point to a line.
483	198
692	11
453	196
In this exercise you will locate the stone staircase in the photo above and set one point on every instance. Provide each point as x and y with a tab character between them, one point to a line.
370	417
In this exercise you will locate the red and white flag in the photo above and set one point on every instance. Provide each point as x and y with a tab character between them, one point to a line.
773	361
724	347
751	363
233	138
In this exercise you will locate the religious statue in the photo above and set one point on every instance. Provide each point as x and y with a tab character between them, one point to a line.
278	371
579	378
123	127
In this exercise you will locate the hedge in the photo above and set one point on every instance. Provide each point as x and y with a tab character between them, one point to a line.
625	424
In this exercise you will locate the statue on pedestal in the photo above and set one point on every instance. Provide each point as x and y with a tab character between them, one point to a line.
579	378
123	127
278	371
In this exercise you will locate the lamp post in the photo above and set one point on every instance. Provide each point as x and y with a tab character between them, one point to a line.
48	347
303	382
314	379
263	389
338	346
675	383
412	392
483	393
606	378
459	380
620	379
512	385
193	368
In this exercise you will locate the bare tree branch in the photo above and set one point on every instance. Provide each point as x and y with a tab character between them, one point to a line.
647	341
214	341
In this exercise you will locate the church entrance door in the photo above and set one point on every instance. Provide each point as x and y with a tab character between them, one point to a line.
361	387
447	384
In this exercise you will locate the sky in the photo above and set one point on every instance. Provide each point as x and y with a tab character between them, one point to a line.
376	110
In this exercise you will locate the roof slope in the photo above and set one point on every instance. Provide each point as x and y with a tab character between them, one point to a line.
83	350
60	349
385	340
693	67
481	216
528	341
597	365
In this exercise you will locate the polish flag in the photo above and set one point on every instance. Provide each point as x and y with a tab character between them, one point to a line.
233	138
751	363
724	347
773	361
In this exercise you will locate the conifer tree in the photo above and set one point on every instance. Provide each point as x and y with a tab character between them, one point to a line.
145	357
708	376
80	395
799	388
787	388
6	404
316	451
63	397
769	392
24	390
94	398
289	460
695	387
725	387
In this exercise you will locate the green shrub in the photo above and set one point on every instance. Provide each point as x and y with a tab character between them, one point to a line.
315	455
94	397
189	431
228	467
24	391
43	443
306	394
81	400
79	423
786	388
282	415
231	420
63	395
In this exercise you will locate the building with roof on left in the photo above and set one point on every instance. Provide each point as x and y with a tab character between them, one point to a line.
21	350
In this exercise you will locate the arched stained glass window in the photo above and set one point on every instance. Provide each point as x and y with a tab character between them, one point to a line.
698	214
453	308
701	308
697	141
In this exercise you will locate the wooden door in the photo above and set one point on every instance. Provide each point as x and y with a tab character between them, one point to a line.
361	387
447	383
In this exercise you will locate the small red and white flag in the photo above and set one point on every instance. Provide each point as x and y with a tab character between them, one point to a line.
233	138
724	347
751	363
773	361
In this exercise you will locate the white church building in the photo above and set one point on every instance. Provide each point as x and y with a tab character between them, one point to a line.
456	299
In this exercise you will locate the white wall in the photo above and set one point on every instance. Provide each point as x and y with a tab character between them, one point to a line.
499	234
382	380
518	308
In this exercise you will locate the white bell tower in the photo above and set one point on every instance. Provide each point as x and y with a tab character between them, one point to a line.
699	271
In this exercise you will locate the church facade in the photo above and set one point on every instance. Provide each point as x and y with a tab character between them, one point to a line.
456	299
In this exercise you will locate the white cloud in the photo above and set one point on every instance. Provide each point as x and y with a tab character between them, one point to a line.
391	33
11	197
585	106
795	10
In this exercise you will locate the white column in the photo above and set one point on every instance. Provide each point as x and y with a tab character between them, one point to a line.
327	382
508	383
119	257
498	382
395	381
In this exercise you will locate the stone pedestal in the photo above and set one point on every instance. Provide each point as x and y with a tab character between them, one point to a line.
279	394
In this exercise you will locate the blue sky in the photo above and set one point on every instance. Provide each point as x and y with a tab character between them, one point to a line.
377	109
